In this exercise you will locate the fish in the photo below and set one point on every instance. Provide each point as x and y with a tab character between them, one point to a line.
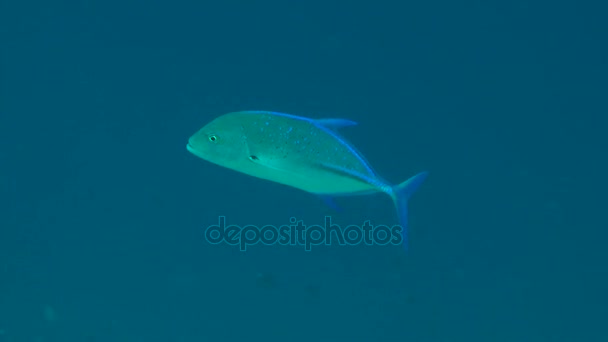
304	153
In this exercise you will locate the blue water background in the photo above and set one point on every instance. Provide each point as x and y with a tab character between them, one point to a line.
103	211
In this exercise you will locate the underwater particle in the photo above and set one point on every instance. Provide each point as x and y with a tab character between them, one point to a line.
313	290
265	280
50	315
410	299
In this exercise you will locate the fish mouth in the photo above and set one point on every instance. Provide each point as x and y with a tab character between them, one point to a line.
194	151
190	149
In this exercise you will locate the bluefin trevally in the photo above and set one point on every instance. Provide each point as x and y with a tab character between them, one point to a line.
308	154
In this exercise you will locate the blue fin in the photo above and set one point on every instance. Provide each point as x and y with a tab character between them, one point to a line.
335	123
401	194
329	201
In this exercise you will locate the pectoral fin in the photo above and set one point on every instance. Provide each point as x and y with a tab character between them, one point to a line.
272	164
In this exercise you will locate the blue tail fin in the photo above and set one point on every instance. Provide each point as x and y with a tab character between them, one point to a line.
401	194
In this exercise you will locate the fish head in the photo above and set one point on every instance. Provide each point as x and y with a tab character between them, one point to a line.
220	144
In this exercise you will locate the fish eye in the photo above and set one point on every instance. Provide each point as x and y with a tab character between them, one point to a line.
213	138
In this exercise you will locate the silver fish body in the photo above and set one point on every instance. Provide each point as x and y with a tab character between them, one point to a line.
308	154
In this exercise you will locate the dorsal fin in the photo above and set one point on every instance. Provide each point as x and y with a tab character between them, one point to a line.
335	123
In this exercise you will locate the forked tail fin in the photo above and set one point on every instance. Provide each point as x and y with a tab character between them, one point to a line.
401	194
